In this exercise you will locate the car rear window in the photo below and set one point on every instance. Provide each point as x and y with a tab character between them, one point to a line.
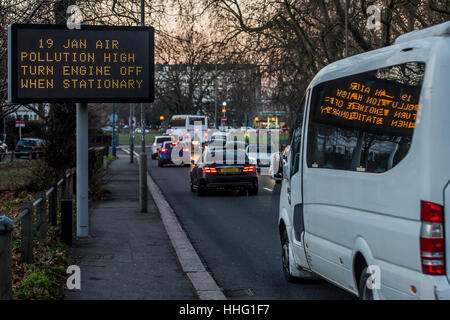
226	157
26	143
364	122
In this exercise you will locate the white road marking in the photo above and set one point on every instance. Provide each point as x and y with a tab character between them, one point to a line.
270	190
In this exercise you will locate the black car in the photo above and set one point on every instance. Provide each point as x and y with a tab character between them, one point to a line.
27	145
224	169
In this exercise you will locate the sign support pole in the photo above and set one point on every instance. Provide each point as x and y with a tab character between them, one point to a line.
82	170
142	105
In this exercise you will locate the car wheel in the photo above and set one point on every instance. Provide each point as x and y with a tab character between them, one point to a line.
365	293
285	258
160	164
153	156
192	188
278	181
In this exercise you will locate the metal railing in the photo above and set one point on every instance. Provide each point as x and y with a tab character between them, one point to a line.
45	210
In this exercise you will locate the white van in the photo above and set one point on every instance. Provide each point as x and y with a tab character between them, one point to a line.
366	190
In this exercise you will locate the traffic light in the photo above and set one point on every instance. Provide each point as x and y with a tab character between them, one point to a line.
161	118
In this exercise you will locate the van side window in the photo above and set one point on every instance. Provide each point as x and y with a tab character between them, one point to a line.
364	122
297	138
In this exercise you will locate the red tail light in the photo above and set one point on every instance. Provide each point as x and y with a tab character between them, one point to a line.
209	170
164	150
432	248
249	169
174	143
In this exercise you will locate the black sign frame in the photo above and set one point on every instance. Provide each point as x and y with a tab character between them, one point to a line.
13	65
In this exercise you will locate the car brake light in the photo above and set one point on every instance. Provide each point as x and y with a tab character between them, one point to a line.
164	150
249	169
209	170
174	143
432	248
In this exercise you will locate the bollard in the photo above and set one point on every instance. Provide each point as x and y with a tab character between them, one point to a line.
5	259
12	156
68	185
63	188
27	233
30	156
41	214
143	182
105	162
66	221
53	206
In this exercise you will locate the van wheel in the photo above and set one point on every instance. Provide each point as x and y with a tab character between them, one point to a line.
285	259
365	293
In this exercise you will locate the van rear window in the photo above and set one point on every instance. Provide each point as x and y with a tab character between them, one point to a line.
364	122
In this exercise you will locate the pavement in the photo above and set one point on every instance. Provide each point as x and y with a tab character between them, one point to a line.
128	254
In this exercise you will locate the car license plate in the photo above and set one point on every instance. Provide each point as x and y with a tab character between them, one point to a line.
229	170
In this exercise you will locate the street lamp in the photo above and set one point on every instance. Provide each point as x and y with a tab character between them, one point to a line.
161	118
224	110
